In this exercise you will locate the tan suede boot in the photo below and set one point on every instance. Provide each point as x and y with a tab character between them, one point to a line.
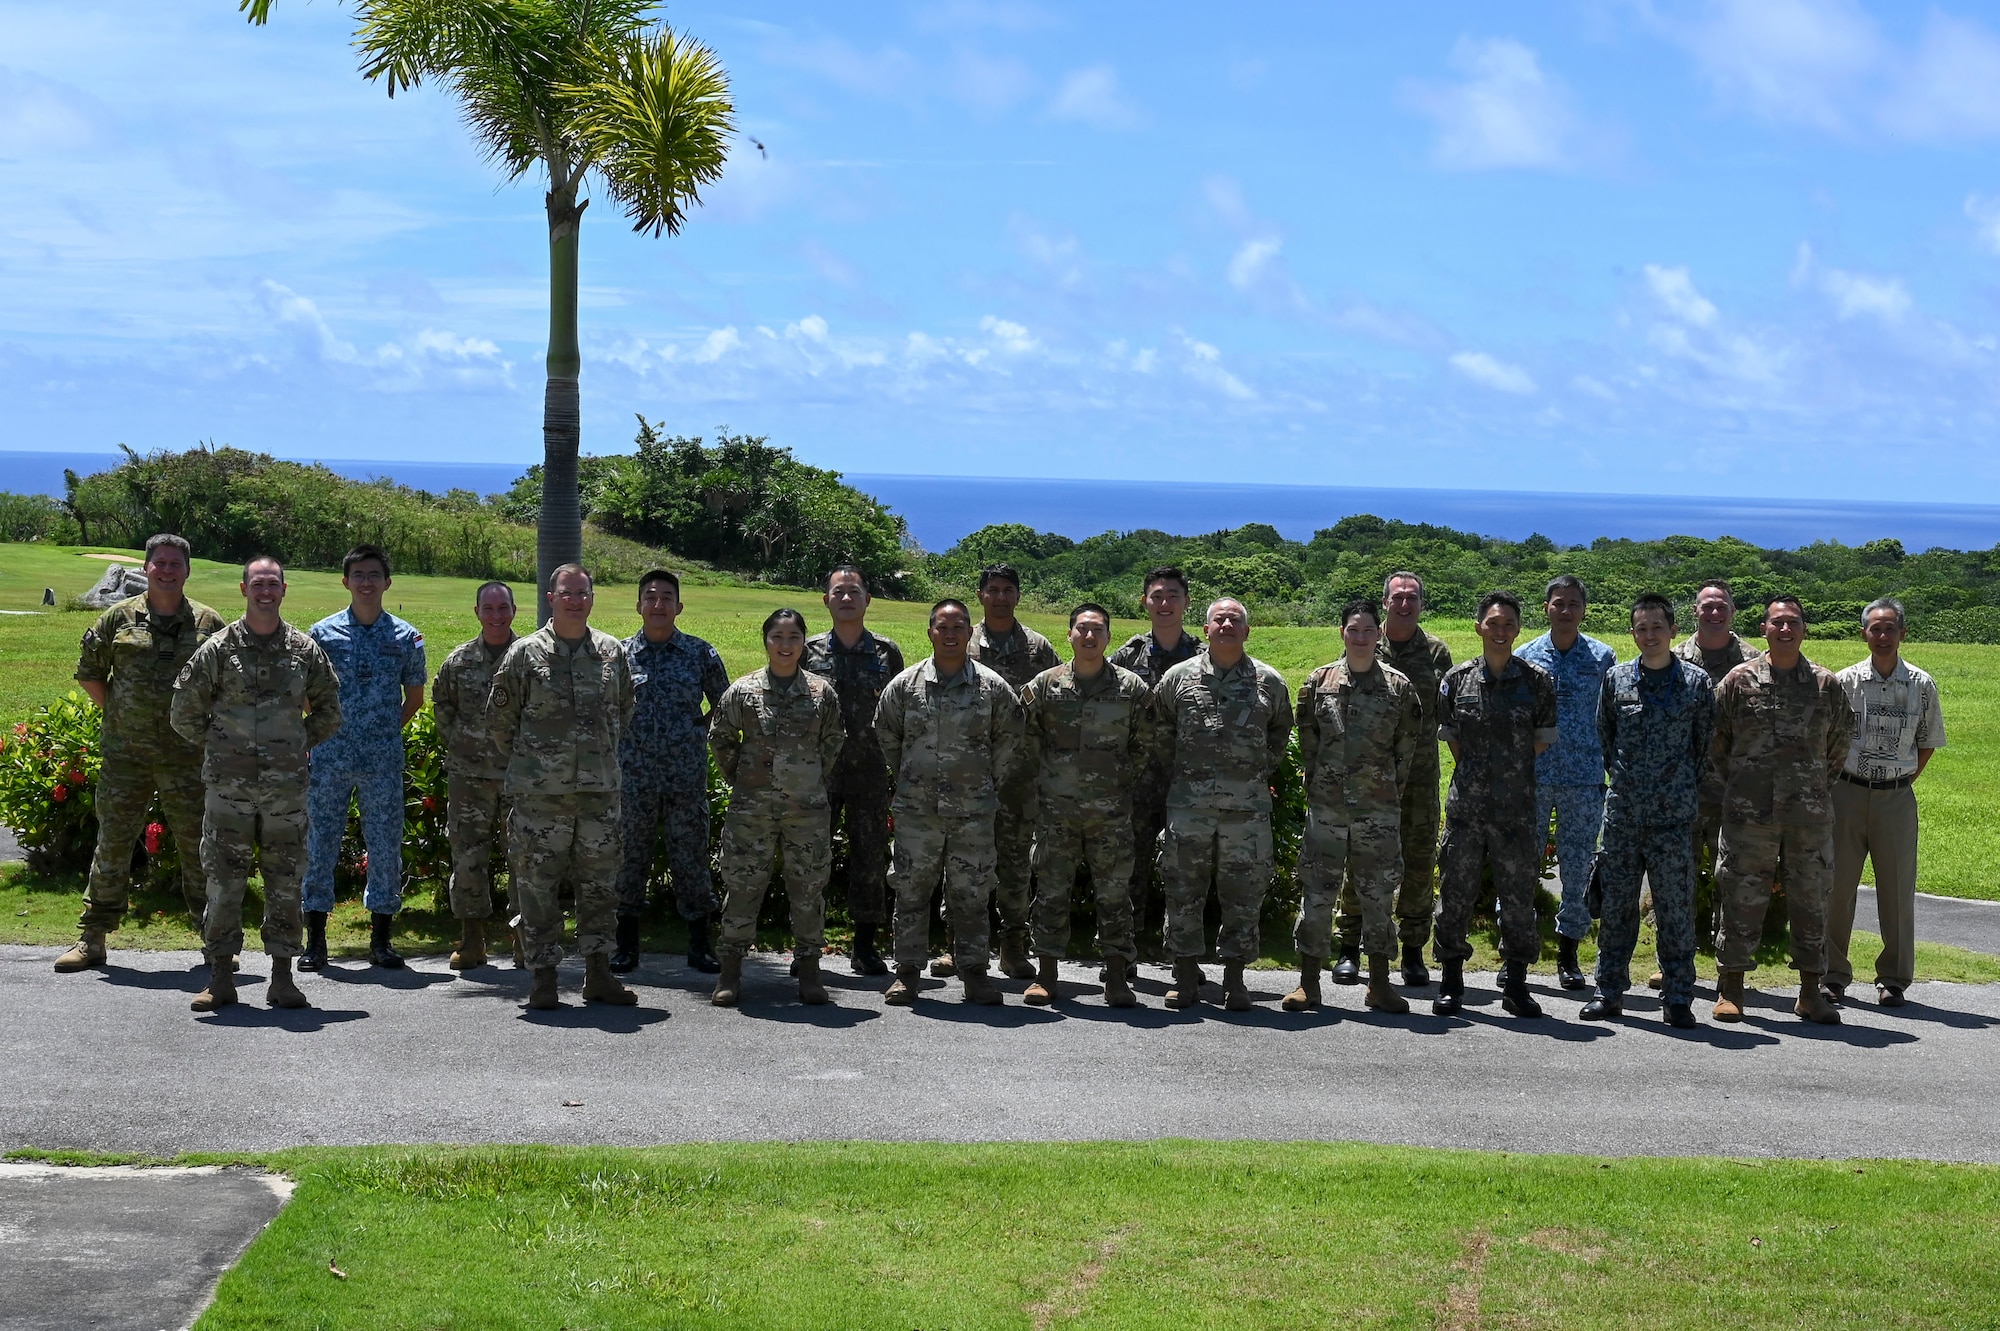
1813	1004
729	980
1382	995
811	990
979	987
1117	987
1235	994
1306	997
1043	991
221	991
902	991
282	991
88	952
471	949
1014	963
1187	983
542	995
1728	996
601	986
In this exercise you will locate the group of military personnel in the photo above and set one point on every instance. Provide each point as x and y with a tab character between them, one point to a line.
992	774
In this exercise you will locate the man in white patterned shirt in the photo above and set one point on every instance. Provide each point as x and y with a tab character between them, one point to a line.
1898	724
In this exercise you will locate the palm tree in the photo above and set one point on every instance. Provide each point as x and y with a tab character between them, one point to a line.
574	87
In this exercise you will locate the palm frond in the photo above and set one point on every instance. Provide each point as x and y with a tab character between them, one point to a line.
654	123
258	12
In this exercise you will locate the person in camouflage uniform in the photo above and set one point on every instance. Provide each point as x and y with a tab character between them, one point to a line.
1089	731
560	701
255	698
475	770
1782	725
380	661
129	661
1360	727
1655	721
860	665
1225	718
1016	653
776	735
1423	659
1498	713
1149	655
950	731
664	759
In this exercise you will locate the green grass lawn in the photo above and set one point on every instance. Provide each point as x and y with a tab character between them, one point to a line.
1170	1234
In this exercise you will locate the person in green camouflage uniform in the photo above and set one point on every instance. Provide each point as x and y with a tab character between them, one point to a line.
1360	727
130	659
1089	731
776	735
255	698
475	770
560	701
1150	655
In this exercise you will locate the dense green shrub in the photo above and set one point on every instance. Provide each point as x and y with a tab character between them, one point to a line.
48	783
34	518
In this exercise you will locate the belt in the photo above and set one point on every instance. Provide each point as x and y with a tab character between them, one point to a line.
1893	783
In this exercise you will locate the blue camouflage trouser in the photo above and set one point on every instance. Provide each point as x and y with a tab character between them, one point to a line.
1579	812
1664	857
381	797
685	815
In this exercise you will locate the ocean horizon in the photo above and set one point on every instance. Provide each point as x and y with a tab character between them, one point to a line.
942	509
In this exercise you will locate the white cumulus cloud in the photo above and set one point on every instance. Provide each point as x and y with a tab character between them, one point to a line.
1091	96
1505	112
1675	290
1985	215
1251	259
1491	372
1856	294
1009	336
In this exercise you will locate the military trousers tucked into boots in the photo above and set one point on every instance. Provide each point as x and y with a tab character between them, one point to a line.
472	816
959	854
1013	861
756	838
1064	845
558	839
1362	854
241	826
1233	851
1515	852
125	791
1744	875
1416	884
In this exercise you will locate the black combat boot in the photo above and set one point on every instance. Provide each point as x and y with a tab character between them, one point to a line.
1604	1007
625	950
1451	989
379	950
1514	995
1569	972
1347	968
865	958
701	956
314	956
1415	973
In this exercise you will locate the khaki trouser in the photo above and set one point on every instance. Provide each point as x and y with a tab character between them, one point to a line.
1879	826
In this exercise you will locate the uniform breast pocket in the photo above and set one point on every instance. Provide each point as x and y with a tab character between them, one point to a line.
1331	715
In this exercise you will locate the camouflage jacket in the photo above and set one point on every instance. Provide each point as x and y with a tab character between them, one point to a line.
138	656
557	711
950	745
776	740
1424	661
1496	724
1016	657
1088	741
375	662
665	746
1575	759
1144	657
1780	737
1225	733
1655	731
256	707
1722	662
858	675
1358	736
458	701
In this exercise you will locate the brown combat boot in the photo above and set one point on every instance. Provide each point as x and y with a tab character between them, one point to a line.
944	967
601	986
471	949
1728	996
811	989
542	994
1235	994
1813	1004
1117	988
1306	996
1382	995
979	987
282	991
902	991
1043	991
88	952
729	980
1014	963
221	991
517	935
1187	983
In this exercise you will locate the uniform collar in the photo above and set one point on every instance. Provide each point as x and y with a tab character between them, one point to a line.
793	683
586	647
864	644
969	675
1209	667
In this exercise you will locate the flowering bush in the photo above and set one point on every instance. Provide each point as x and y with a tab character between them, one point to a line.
48	778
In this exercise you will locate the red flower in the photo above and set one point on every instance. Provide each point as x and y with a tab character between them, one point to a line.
75	777
364	862
60	793
154	833
20	728
430	804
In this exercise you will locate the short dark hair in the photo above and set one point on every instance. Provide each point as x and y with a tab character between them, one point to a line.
1403	573
167	538
361	554
561	569
1654	601
262	559
1090	608
837	570
779	616
1720	584
1362	605
945	603
659	575
1884	603
486	587
992	571
1784	598
1164	573
1491	599
1565	582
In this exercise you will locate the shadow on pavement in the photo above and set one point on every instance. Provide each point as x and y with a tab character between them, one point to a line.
1012	1015
186	982
1861	1037
577	1015
1915	1011
790	1012
405	979
249	1013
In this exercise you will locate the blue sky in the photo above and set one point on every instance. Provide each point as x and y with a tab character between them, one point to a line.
1591	246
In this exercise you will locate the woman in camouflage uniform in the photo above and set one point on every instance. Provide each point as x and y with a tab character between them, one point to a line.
776	734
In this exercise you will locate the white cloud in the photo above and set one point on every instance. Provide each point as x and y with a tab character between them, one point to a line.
718	343
1596	388
1985	215
1505	113
1204	366
1490	372
1675	290
1009	336
1950	88
301	314
1251	259
1789	60
1091	96
1855	294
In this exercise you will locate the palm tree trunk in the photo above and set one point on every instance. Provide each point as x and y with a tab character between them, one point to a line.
559	534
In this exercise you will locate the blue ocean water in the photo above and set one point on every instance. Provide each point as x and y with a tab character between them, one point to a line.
941	509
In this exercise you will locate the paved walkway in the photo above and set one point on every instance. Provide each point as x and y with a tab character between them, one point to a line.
114	1060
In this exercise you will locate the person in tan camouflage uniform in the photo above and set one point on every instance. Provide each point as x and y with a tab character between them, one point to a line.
560	700
475	770
1225	719
950	731
1089	738
130	659
1163	595
1360	726
1016	653
776	735
1782	726
255	698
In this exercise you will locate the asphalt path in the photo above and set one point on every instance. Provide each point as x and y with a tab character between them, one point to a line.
114	1060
